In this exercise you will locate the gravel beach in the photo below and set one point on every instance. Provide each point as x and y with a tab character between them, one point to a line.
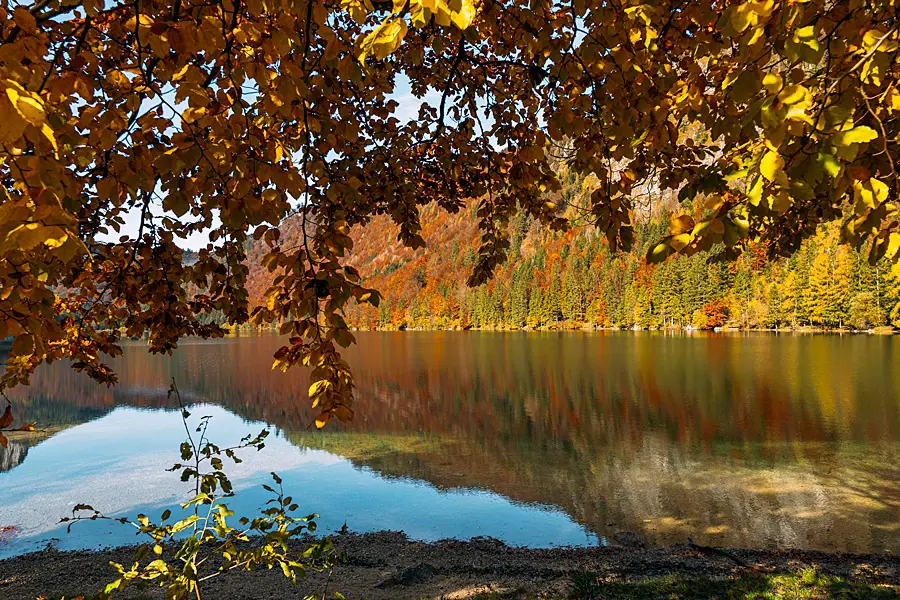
388	565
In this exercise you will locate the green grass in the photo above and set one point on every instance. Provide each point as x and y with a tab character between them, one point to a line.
805	585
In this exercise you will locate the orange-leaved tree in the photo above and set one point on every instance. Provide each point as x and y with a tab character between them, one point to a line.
228	116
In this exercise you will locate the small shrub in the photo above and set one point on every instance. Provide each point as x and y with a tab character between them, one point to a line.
585	585
213	547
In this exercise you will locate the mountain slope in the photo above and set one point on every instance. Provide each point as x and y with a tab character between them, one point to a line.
561	280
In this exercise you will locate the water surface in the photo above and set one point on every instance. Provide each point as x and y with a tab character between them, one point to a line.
535	438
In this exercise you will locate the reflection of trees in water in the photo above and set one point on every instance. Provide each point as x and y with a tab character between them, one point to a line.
12	456
695	434
51	410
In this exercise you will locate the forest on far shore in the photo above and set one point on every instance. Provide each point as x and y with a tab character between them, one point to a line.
571	280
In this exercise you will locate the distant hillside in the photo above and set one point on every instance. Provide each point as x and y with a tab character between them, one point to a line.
571	280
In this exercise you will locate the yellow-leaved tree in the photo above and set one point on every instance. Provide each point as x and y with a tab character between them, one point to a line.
228	116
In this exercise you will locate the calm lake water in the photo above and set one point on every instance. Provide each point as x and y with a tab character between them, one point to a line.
537	439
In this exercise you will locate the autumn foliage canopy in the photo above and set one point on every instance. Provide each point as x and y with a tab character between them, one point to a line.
227	116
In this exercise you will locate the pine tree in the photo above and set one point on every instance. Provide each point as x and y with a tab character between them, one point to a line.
518	304
775	316
536	307
572	300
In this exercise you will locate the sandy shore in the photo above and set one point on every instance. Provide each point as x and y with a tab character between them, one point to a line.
388	565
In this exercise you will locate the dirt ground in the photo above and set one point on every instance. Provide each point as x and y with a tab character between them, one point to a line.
388	565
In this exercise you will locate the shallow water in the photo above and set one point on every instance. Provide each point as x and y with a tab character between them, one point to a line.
534	438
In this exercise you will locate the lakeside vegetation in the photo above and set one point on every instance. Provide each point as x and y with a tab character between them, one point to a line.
573	280
805	584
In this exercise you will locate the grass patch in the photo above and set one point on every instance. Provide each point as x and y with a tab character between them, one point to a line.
804	585
368	446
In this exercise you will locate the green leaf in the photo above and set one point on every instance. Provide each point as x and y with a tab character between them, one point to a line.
831	164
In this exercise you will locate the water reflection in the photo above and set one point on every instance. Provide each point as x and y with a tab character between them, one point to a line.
732	439
118	463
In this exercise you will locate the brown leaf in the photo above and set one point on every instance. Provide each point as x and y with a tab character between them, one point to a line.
3	441
7	418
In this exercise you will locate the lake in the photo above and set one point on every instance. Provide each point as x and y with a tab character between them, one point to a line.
538	439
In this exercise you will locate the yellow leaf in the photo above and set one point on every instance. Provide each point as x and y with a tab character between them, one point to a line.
804	45
358	9
48	133
30	108
680	224
857	135
145	22
319	387
741	16
192	114
755	191
893	246
807	35
874	37
417	14
773	82
715	201
869	194
772	167
793	94
893	99
463	17
384	39
678	242
29	235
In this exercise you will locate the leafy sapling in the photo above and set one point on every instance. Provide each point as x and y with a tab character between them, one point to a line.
212	546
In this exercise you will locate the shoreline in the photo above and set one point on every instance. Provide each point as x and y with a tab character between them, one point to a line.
389	565
798	330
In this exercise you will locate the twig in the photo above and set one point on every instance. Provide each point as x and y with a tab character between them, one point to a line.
723	553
